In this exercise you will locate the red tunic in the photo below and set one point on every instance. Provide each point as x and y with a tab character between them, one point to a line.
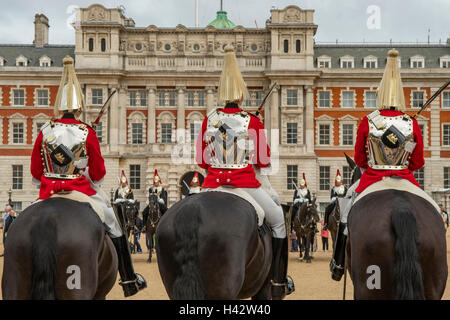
239	178
96	165
371	176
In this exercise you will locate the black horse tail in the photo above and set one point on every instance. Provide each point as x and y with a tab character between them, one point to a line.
407	268
189	284
43	259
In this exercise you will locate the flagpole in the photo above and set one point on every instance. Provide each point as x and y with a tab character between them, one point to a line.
196	13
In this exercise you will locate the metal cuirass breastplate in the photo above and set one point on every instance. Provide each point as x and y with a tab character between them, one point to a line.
380	155
303	193
60	140
340	191
228	148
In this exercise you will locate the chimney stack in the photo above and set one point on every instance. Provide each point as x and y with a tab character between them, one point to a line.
448	41
40	30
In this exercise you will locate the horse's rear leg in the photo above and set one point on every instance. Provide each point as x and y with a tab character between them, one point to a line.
150	248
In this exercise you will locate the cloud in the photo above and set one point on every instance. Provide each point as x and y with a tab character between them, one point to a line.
345	20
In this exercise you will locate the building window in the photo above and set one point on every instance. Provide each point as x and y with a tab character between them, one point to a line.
324	99
324	134
417	62
201	98
194	130
347	64
91	44
135	176
446	134
297	46
172	101
161	98
16	205
166	132
42	97
370	62
191	98
286	46
347	175
143	98
19	97
445	63
133	98
419	175
18	132
347	99
99	132
446	99
17	177
324	178
324	62
103	44
137	133
370	99
291	136
446	177
417	99
97	96
292	176
291	97
347	134
39	127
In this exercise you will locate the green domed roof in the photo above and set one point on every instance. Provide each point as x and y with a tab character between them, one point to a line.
222	22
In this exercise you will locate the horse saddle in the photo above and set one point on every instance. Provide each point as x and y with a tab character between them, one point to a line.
397	184
81	197
244	195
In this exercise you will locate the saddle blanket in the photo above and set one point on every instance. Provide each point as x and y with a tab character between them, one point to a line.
397	184
80	197
244	195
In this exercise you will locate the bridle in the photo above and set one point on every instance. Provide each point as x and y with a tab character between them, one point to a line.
153	206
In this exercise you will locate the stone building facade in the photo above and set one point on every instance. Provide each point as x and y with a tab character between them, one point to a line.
166	81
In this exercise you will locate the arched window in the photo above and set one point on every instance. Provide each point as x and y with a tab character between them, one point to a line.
103	44
91	44
297	46
286	46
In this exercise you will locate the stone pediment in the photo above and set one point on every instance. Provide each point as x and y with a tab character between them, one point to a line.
181	28
152	28
97	12
292	14
210	29
239	29
324	117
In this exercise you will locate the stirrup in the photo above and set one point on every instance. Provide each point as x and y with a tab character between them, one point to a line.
139	278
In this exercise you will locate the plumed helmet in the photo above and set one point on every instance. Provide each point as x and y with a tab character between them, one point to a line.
390	92
70	97
232	87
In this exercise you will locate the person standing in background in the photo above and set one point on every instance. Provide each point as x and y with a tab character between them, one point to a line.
9	220
324	235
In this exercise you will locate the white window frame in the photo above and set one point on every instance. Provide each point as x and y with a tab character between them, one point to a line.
365	100
417	59
17	118
12	99
165	117
353	100
330	100
134	177
329	177
445	124
444	61
137	117
2	61
444	101
102	96
347	119
36	97
347	59
422	121
45	61
413	100
39	118
327	120
288	90
290	178
323	60
296	133
194	118
21	59
370	59
21	177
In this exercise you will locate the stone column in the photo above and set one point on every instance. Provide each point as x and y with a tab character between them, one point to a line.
181	118
434	165
151	118
274	113
113	125
122	113
210	98
309	115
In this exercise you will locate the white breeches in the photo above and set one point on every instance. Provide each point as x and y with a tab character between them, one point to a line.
111	222
273	212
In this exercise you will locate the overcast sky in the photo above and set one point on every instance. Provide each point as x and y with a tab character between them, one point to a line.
345	20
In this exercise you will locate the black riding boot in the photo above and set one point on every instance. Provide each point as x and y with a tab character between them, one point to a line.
281	286
328	210
129	280
338	261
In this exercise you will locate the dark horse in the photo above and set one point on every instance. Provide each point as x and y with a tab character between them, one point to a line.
209	247
58	249
127	213
152	213
401	242
333	221
304	224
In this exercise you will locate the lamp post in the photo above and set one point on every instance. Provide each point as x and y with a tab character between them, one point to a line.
9	197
